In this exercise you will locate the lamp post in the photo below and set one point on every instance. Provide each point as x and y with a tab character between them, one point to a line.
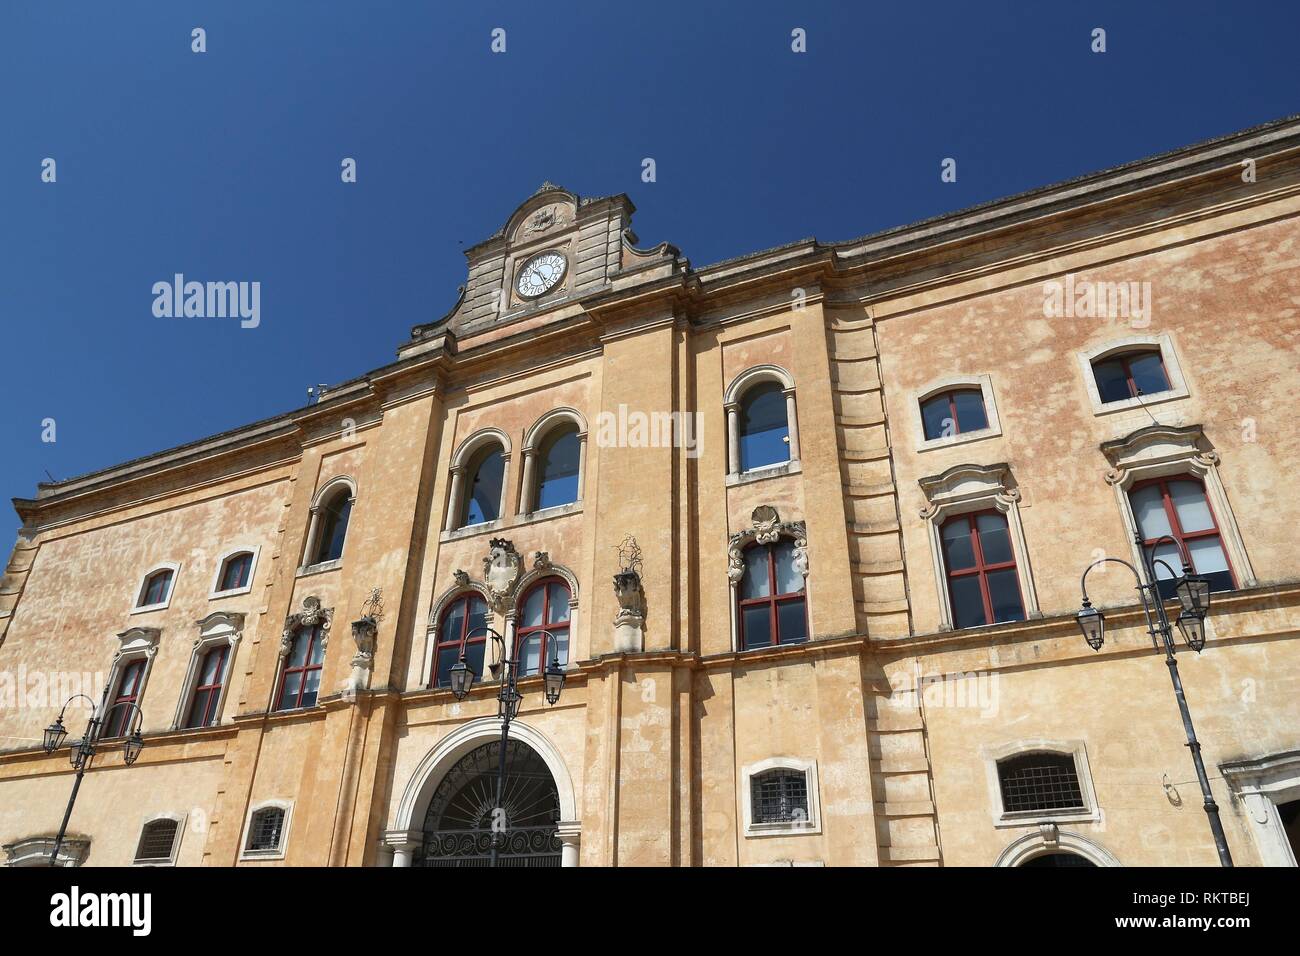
84	749
1193	593
508	698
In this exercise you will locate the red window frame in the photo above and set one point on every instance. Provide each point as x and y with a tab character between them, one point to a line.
1126	362
951	395
128	692
459	640
1175	527
773	599
981	567
312	635
163	574
210	705
243	557
523	633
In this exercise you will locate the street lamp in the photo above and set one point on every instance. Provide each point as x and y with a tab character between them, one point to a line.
83	750
1193	593
461	677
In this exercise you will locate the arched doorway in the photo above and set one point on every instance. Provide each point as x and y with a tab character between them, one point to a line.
458	825
1058	859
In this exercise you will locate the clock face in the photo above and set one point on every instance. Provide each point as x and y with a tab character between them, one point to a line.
540	274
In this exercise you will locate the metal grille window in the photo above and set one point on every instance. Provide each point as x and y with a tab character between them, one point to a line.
156	841
779	796
265	829
1040	781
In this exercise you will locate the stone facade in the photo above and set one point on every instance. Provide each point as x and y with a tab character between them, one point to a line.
895	719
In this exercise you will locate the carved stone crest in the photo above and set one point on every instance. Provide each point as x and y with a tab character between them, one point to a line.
311	615
541	560
766	527
544	220
501	570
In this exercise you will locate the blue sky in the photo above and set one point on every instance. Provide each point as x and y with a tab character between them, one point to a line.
225	165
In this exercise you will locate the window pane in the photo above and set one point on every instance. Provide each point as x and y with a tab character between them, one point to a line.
995	541
334	528
958	552
1112	382
1207	555
755	583
1168	553
558	484
788	580
317	648
484	498
531	613
199	708
967	603
530	653
1004	595
236	572
561	646
289	696
474	657
1148	373
936	416
970	410
1190	506
791	625
212	666
1149	511
447	656
477	619
453	622
757	625
559	598
764	432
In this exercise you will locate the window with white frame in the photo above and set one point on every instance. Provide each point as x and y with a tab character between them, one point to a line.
780	797
155	592
235	571
1038	780
211	664
1139	370
762	424
266	833
978	551
160	839
953	410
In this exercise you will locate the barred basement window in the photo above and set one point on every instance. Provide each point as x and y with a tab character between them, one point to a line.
779	796
157	841
1039	781
265	829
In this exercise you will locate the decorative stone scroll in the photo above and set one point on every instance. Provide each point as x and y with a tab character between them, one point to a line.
766	528
311	615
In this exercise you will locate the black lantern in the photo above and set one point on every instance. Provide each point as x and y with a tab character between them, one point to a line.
1093	624
461	679
132	747
55	734
79	751
1193	592
1192	625
554	680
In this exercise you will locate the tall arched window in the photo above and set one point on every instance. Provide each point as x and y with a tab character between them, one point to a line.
300	680
557	469
764	429
771	597
333	530
486	472
461	630
545	608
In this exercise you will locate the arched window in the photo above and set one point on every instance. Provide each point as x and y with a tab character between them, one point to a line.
1130	374
557	469
779	796
236	571
982	583
156	589
764	428
158	842
1177	507
487	472
1035	782
207	692
544	608
265	830
119	714
300	680
461	630
771	597
332	526
953	412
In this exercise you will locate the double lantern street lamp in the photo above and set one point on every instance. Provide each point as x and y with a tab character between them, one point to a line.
83	750
1193	593
461	677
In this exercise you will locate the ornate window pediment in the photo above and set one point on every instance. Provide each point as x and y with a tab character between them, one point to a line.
311	615
766	528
